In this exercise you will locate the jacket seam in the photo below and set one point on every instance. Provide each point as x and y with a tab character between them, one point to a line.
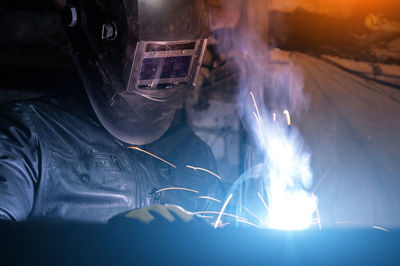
42	181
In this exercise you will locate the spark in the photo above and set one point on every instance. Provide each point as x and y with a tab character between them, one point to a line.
155	156
255	105
324	176
177	188
205	216
258	117
238	218
222	211
380	228
253	214
274	117
204	170
319	217
286	112
246	222
210	198
263	201
259	126
358	223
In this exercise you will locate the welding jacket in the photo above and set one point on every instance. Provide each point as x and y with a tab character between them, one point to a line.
58	163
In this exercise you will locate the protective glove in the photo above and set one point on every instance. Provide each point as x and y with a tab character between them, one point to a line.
157	214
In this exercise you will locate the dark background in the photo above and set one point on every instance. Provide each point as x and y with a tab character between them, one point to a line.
34	56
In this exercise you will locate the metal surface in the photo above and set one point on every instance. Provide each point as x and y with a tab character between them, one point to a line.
188	244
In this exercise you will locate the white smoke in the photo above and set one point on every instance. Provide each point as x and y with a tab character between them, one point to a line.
276	86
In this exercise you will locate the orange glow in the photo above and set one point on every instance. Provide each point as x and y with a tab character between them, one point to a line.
330	7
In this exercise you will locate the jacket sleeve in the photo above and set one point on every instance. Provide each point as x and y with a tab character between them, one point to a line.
19	152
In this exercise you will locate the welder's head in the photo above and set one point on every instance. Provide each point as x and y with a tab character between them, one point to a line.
137	60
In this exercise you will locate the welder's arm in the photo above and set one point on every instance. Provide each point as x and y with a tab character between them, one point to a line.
18	163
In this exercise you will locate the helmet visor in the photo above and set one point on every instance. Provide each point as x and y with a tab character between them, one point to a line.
166	63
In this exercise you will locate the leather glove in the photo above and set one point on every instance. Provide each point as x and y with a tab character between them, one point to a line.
157	213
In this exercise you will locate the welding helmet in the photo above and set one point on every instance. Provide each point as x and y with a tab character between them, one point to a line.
137	59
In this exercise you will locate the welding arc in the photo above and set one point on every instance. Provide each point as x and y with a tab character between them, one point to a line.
155	156
222	211
177	188
204	170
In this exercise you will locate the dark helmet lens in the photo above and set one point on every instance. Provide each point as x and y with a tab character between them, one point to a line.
165	67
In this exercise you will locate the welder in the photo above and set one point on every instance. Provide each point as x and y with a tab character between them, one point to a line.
85	155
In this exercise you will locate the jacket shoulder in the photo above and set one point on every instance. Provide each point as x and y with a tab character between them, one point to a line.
21	106
181	145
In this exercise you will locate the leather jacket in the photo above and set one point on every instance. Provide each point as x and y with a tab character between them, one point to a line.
58	163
